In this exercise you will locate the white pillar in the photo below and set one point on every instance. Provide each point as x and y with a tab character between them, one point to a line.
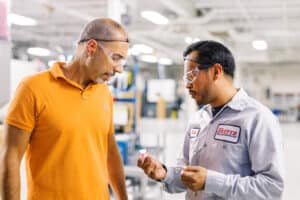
5	53
115	9
238	82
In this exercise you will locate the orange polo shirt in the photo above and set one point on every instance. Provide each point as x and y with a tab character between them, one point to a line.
67	155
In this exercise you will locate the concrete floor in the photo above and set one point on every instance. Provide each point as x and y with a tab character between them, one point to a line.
173	141
291	134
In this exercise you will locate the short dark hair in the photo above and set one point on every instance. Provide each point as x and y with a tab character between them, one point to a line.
212	52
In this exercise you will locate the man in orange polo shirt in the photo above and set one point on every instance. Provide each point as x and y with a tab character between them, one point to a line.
62	118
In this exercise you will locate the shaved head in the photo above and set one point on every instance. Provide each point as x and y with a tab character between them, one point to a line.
103	28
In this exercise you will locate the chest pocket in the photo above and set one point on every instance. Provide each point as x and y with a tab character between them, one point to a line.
225	156
235	154
230	139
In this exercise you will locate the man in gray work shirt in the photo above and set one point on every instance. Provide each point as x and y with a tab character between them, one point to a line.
233	145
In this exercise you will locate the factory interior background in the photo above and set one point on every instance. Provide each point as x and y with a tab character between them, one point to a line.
264	37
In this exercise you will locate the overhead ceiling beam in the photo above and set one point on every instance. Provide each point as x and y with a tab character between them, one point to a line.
28	36
161	50
195	20
184	8
245	13
249	4
68	11
85	3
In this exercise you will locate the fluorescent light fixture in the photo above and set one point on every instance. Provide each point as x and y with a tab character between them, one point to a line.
69	57
154	17
196	40
165	61
51	62
260	45
132	52
62	57
188	40
38	51
21	20
142	48
148	58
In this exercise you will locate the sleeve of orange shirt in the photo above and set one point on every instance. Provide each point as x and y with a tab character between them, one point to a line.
22	109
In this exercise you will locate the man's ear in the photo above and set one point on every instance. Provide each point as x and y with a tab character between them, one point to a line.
218	71
91	47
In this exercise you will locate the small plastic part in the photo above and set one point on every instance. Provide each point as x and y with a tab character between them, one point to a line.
143	154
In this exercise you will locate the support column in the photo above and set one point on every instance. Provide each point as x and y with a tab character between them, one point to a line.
115	9
5	53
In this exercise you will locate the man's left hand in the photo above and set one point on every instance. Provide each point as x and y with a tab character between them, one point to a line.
194	177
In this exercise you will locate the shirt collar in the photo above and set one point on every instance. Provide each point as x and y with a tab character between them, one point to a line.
238	101
56	70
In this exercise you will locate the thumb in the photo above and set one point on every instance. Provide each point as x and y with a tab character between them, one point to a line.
191	168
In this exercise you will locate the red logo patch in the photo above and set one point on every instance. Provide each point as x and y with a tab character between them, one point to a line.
228	133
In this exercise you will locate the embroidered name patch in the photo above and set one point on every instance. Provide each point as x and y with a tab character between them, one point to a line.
194	132
228	133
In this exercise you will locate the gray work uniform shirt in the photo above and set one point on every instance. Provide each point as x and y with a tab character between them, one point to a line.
241	147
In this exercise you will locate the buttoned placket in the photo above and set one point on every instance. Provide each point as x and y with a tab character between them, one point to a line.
84	92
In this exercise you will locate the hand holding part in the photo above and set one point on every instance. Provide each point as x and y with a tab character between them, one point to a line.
194	177
153	168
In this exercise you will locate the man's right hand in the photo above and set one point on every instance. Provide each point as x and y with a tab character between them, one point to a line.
153	168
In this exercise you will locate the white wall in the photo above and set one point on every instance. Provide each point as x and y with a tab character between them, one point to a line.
11	75
20	69
279	78
5	52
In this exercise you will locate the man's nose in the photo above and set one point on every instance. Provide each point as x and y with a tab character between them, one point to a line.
118	68
188	85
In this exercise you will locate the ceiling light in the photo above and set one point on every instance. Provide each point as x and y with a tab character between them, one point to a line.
37	51
188	40
69	57
51	62
154	17
132	52
141	48
21	20
196	40
260	44
62	57
165	61
149	58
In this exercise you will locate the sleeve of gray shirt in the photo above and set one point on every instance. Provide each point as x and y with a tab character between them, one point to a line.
172	182
265	148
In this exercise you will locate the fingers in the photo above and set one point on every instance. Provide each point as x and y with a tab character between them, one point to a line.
192	168
191	186
187	176
194	177
140	162
147	164
143	160
188	180
149	170
152	168
149	167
